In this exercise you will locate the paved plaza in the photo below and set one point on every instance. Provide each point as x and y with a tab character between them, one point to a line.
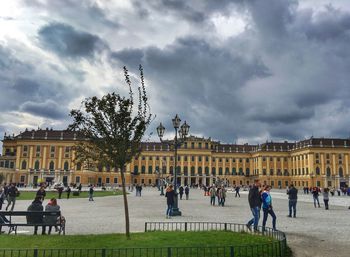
315	231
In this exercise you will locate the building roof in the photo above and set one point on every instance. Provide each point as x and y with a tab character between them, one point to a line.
67	135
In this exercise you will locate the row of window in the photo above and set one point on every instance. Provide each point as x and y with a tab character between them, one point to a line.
192	171
51	165
7	164
340	156
192	158
38	150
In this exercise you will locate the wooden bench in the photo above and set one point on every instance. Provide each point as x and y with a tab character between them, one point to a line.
15	222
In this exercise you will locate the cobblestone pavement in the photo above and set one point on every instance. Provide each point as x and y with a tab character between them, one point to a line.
315	231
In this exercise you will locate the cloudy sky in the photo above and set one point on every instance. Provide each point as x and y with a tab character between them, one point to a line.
235	70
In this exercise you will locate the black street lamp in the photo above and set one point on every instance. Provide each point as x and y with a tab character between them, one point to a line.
183	132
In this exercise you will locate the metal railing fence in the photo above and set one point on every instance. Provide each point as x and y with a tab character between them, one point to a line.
275	248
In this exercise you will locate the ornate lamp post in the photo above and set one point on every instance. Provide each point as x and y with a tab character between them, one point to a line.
183	132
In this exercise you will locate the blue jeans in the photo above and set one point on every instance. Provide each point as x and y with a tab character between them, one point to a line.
169	210
256	217
212	200
273	215
316	200
292	207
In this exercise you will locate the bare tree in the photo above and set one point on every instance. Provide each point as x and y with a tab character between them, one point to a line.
112	129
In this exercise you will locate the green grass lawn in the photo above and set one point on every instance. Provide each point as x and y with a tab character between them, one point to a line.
155	244
30	195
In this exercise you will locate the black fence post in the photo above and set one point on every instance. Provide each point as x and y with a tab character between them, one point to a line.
232	251
185	226
35	253
169	252
103	253
145	226
225	226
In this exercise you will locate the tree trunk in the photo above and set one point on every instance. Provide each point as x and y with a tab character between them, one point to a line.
126	208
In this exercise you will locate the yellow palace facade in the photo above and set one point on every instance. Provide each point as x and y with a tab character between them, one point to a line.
47	155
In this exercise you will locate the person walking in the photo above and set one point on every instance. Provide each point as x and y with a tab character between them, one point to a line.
187	192
41	193
267	208
68	190
11	197
60	190
91	193
170	199
34	218
2	197
237	191
326	198
293	198
254	199
315	196
52	206
181	192
222	196
212	193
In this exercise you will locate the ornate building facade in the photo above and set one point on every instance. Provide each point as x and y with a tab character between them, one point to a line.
47	155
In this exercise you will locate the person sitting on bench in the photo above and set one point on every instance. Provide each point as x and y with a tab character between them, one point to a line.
51	207
36	205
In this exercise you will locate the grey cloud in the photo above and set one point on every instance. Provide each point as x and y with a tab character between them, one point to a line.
47	109
331	25
190	76
89	12
68	42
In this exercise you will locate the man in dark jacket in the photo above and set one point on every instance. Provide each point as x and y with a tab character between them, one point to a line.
11	198
34	218
254	200
293	198
170	199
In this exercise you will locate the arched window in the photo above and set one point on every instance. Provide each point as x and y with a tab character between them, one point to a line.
241	172
247	171
213	171
318	171
66	166
150	168
234	171
227	171
341	173
24	165
136	169
52	165
186	171
171	170
192	171
220	170
271	172
36	165
207	171
328	172
78	166
143	169
200	171
286	173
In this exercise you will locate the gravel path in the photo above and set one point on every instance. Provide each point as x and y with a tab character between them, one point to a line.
315	231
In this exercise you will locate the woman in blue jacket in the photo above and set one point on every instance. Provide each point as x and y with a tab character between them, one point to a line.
267	207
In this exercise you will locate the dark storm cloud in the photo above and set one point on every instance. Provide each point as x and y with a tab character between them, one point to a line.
28	88
195	12
330	25
68	42
195	78
47	109
85	12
